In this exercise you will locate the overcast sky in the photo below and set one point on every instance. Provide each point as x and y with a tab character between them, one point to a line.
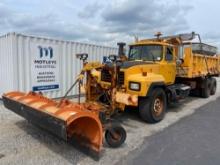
107	22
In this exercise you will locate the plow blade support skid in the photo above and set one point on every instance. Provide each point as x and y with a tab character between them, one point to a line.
69	121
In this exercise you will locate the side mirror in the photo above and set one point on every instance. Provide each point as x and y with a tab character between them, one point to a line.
179	62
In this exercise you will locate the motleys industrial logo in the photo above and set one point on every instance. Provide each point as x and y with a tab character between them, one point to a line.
44	54
45	51
45	69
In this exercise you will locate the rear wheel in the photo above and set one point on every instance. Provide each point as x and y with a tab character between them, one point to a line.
206	89
213	86
152	109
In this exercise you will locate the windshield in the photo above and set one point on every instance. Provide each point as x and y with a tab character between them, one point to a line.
146	52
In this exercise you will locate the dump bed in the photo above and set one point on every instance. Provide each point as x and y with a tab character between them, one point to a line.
198	61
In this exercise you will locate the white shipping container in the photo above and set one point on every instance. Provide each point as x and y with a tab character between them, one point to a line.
21	58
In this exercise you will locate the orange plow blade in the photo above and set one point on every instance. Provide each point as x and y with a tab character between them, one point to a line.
68	120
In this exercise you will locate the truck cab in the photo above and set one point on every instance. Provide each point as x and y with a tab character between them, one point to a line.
157	64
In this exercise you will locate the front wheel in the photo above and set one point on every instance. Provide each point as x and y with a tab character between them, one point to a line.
152	109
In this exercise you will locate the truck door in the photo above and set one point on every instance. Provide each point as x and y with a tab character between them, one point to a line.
168	66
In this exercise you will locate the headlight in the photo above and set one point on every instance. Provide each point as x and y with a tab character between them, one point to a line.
134	86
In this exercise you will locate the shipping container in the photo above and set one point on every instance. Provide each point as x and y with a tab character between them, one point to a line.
30	63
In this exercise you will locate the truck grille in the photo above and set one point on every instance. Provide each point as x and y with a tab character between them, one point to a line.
106	77
121	78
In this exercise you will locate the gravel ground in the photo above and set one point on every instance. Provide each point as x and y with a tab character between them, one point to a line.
23	143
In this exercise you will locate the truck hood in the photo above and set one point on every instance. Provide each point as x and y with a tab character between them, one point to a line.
128	64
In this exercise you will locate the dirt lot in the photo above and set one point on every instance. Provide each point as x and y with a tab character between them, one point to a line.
23	143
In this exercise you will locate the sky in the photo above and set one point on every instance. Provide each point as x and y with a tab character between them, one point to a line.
110	21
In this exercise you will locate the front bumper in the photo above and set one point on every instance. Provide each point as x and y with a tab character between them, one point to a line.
127	99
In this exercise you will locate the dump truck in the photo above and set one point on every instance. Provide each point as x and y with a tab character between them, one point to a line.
156	72
160	71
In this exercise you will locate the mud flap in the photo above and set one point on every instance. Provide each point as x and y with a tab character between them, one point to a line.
52	124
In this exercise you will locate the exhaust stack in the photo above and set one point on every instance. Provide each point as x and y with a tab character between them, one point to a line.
121	46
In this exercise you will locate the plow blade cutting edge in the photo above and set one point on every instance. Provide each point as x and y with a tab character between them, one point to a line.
69	121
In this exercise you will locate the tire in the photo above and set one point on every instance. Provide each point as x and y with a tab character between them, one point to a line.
148	107
213	86
206	90
119	133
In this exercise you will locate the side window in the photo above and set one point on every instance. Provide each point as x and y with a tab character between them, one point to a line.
169	54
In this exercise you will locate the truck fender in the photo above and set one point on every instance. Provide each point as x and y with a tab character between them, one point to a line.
154	85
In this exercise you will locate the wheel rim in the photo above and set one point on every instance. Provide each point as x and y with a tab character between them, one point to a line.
158	106
115	136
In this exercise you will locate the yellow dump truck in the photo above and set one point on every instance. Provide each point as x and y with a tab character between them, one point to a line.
163	70
156	72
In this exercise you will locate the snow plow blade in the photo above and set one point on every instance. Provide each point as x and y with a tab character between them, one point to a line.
69	121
